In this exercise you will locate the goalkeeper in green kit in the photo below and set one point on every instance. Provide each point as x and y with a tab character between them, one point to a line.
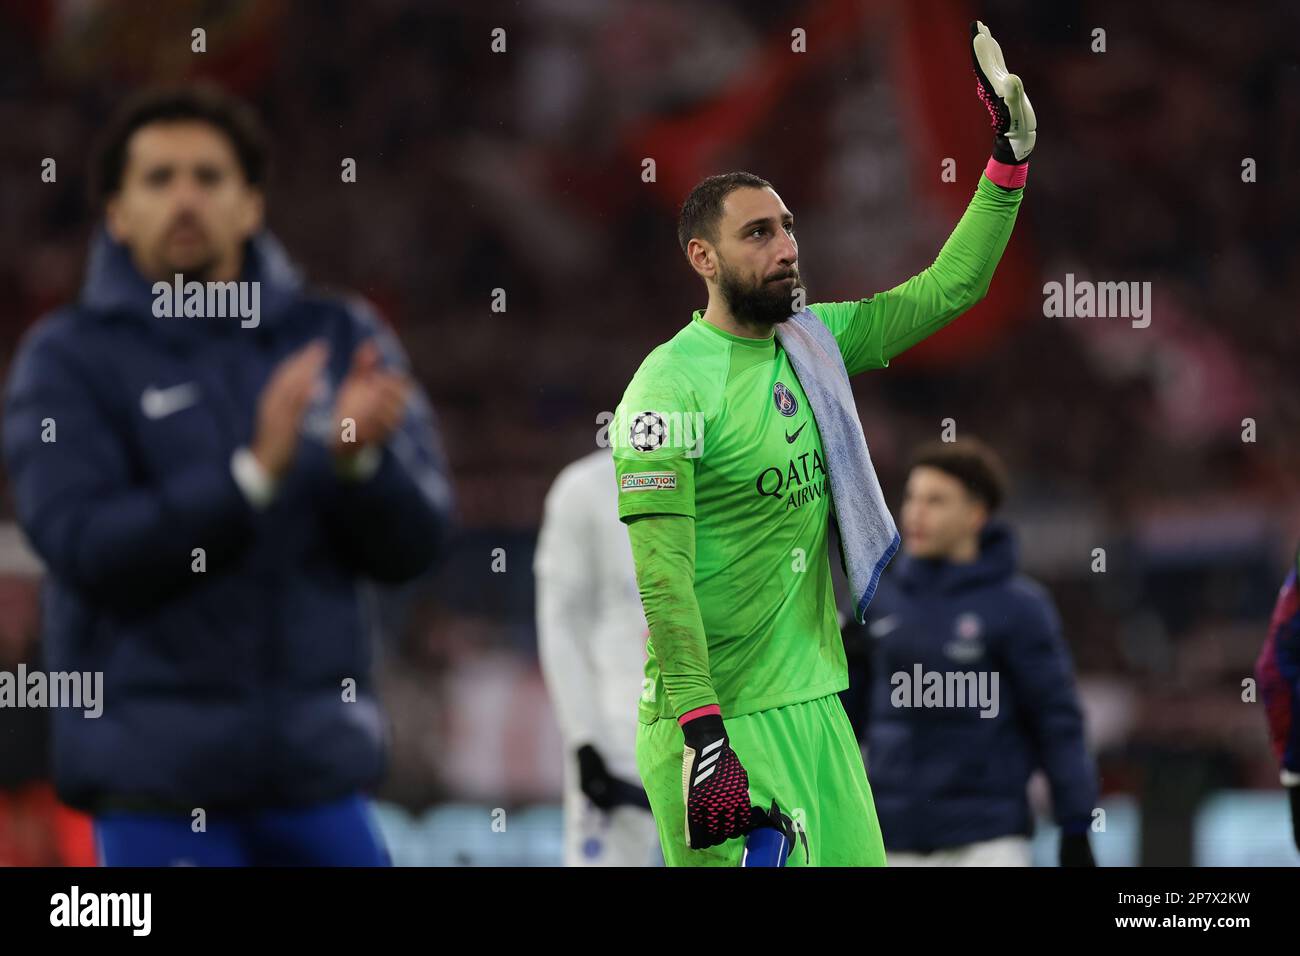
725	485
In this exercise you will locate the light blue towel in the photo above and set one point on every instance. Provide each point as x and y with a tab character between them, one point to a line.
868	535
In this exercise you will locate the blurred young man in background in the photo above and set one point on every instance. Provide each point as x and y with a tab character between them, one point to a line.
972	688
591	637
207	488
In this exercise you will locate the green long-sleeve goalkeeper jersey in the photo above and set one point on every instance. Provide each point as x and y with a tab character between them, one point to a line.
722	480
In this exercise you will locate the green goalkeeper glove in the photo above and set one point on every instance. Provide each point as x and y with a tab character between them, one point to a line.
1014	124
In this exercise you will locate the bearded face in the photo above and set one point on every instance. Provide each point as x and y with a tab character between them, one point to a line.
759	302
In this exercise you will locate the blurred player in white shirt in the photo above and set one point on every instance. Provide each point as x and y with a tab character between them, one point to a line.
592	637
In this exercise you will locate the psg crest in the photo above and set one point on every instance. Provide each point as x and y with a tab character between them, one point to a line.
786	403
648	431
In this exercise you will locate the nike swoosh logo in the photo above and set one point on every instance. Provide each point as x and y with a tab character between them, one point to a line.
790	438
160	402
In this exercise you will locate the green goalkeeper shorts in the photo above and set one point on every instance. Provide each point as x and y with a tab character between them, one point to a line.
803	755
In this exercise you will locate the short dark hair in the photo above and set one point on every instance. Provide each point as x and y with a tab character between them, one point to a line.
204	103
702	210
971	462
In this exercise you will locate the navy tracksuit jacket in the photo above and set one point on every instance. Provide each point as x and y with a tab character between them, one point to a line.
222	687
945	776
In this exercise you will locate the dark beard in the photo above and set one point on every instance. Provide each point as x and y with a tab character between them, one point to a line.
203	272
761	306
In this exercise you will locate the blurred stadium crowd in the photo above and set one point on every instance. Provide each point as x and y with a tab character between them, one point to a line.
522	171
